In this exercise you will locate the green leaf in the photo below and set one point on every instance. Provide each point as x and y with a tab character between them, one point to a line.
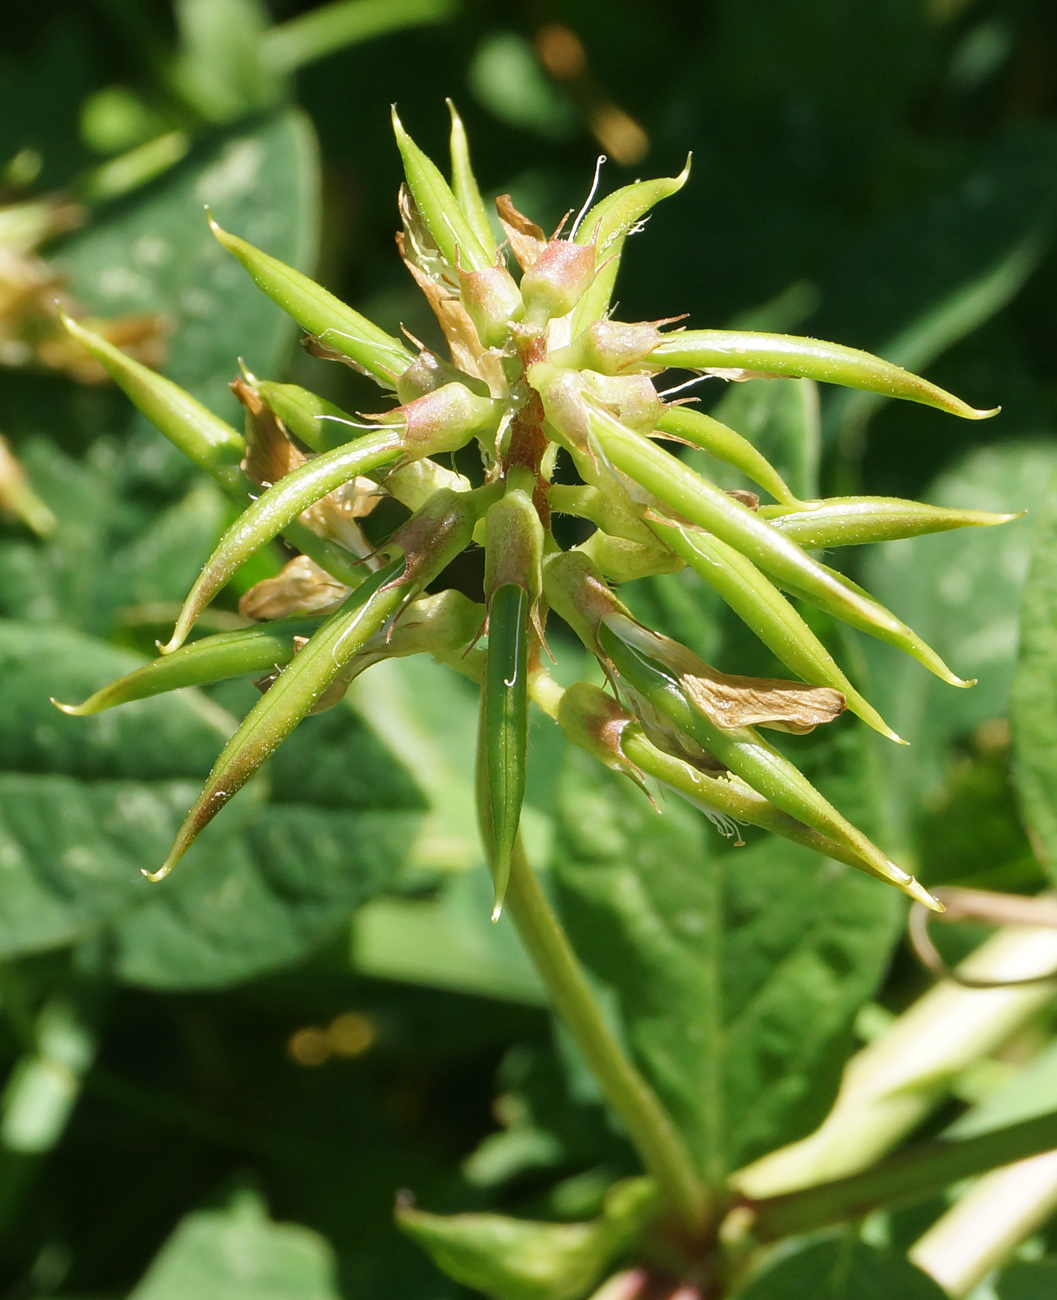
155	253
841	1268
238	1253
737	971
87	803
1035	688
514	1259
962	591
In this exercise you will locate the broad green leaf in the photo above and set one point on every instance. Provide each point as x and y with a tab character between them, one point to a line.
238	1253
87	803
961	591
1035	688
736	970
446	941
840	1268
156	253
515	1259
108	551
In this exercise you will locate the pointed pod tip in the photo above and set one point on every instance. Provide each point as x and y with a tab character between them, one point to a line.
920	894
973	414
74	710
162	872
497	911
174	643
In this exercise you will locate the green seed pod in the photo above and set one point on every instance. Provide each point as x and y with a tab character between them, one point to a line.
212	659
320	313
853	521
668	480
800	358
879	623
464	185
723	443
290	698
607	225
199	434
756	600
671	482
727	799
451	231
759	764
503	740
277	507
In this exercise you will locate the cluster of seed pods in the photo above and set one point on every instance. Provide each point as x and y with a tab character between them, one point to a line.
536	369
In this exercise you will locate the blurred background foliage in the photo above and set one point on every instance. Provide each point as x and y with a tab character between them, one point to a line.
193	1058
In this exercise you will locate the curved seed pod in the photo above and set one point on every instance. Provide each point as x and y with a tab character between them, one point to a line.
607	225
289	699
801	358
464	185
759	764
597	723
440	210
723	443
212	659
759	603
728	796
320	313
883	625
666	478
273	510
853	521
503	740
199	434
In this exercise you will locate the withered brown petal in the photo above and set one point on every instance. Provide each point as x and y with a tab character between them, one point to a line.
301	587
527	240
270	451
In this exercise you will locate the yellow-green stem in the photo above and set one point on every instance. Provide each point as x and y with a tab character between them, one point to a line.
649	1128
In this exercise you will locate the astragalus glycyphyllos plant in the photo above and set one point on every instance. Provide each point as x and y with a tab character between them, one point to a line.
537	369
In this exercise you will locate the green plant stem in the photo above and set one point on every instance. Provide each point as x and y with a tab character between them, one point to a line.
912	1176
651	1131
333	27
